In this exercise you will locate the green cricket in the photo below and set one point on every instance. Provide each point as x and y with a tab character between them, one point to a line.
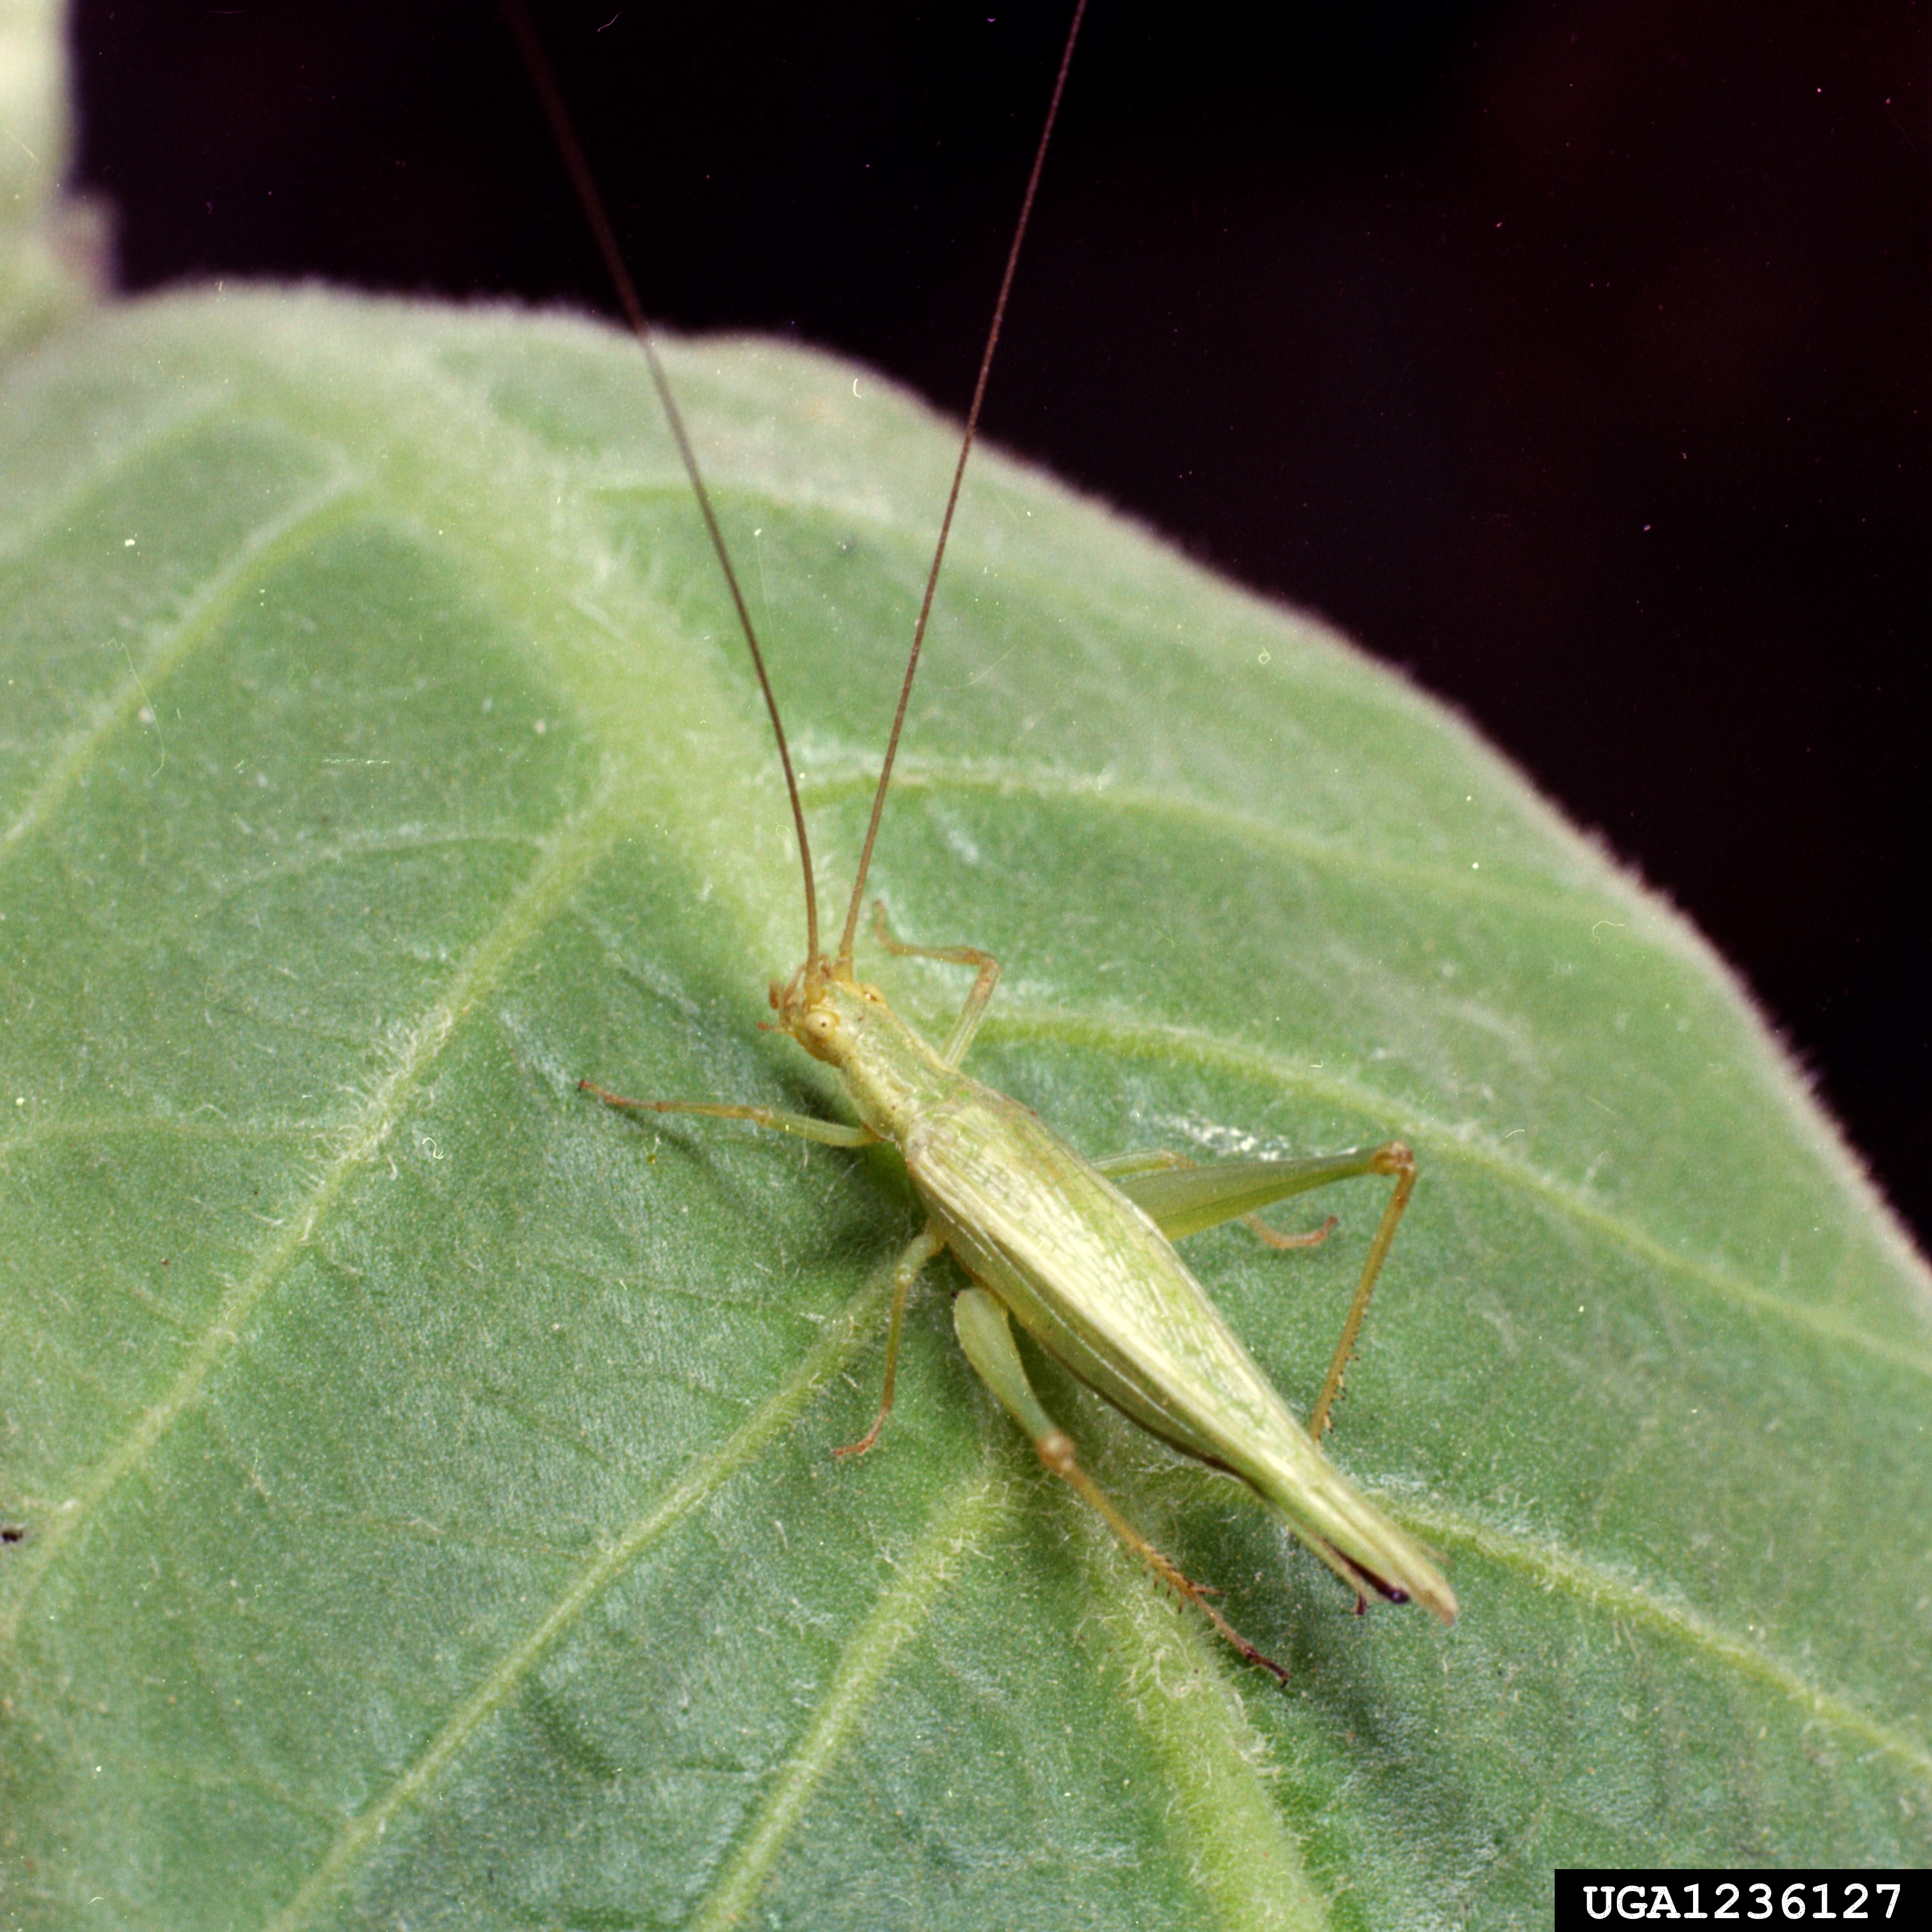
1079	1251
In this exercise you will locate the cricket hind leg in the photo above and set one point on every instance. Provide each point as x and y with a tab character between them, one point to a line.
1124	1168
988	1340
987	977
1184	1198
925	1246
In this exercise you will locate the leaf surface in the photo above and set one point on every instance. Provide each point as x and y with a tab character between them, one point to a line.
418	1479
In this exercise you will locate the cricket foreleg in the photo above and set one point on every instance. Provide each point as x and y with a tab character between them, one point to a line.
828	1133
1184	1198
988	1338
923	1248
974	1010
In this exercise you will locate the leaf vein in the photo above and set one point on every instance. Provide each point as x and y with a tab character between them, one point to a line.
1240	1852
1120	1034
1574	903
528	908
1622	1595
175	426
82	746
899	1616
709	1473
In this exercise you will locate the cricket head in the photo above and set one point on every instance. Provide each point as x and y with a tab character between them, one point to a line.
825	1008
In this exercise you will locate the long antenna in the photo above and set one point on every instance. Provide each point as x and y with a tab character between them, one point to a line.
543	79
844	959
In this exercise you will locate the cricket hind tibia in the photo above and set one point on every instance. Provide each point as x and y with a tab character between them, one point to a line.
986	1336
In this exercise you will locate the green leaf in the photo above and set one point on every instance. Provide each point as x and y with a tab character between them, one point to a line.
419	1478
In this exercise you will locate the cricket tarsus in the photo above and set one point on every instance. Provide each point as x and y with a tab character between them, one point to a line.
1056	1451
850	933
543	79
1273	1237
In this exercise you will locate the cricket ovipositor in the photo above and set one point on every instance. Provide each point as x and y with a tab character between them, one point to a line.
1079	1252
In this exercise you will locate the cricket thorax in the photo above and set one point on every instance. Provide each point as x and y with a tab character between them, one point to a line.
890	1072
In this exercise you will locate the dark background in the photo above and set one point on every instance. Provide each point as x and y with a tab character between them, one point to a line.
1574	356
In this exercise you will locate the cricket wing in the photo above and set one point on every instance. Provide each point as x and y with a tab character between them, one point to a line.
1097	1285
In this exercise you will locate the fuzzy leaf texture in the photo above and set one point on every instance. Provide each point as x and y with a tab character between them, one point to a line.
419	1478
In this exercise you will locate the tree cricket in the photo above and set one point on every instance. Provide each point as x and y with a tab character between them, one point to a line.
1079	1252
